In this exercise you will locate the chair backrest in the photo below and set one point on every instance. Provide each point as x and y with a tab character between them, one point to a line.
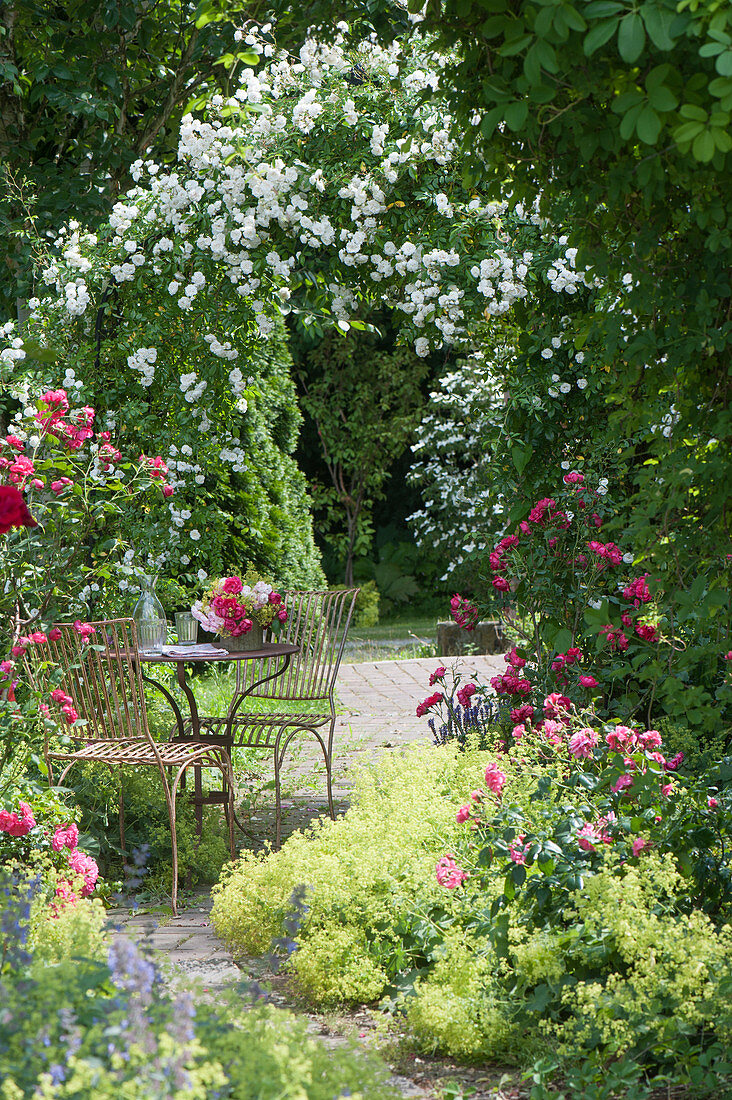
318	623
103	679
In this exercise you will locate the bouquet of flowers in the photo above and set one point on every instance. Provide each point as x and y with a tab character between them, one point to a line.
232	606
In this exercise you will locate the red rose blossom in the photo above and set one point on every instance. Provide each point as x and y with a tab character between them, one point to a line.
13	510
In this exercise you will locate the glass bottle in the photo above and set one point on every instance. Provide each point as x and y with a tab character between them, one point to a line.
149	616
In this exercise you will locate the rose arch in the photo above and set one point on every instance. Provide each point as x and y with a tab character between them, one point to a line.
328	183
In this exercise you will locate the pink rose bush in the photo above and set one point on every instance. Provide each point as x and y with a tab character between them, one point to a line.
68	872
601	627
231	605
597	790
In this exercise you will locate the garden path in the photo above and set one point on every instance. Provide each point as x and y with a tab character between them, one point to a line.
377	702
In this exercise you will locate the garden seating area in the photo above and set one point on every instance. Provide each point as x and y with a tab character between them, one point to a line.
365	550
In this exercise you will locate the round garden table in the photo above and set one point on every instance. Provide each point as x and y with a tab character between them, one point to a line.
194	726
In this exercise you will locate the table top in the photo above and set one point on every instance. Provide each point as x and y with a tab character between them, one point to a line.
275	649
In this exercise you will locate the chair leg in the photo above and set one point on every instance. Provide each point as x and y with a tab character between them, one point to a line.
198	798
170	793
278	796
121	813
328	754
228	783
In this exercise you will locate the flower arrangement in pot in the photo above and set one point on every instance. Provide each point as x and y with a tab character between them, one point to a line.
240	609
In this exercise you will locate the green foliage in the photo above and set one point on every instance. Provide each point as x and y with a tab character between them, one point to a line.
269	1053
71	931
79	1027
364	399
366	611
617	115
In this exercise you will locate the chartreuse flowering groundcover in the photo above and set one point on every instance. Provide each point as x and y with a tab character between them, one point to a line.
519	904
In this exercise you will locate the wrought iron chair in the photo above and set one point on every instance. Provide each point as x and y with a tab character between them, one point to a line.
318	624
104	681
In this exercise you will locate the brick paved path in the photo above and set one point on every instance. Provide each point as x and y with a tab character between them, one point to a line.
379	700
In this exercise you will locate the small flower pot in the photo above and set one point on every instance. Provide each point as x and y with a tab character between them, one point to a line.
241	643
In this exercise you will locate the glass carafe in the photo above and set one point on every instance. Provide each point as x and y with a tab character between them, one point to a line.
149	616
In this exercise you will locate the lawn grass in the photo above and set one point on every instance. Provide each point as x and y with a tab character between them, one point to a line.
399	637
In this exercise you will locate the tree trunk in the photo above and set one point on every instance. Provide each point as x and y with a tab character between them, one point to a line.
351	519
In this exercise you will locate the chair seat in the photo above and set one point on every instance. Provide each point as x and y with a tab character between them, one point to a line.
304	721
139	751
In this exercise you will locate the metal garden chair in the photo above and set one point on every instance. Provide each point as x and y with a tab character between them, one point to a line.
104	681
318	624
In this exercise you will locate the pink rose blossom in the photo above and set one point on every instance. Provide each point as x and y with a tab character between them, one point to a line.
638	845
672	764
437	675
588	681
232	585
666	789
428	703
523	713
588	836
465	694
449	873
621	738
622	784
582	743
712	803
86	867
651	739
518	731
17	823
66	836
495	779
518	854
463	814
84	629
555	703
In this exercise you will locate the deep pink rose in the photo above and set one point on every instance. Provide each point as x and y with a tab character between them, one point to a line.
448	873
495	779
86	867
13	510
17	823
232	585
66	836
